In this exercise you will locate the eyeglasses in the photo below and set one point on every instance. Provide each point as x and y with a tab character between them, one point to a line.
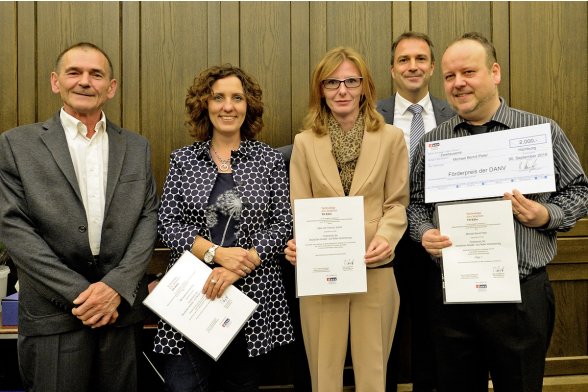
333	84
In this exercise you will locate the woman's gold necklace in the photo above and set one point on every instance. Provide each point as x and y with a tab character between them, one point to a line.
225	164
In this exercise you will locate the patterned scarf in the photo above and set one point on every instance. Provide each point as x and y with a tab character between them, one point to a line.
346	148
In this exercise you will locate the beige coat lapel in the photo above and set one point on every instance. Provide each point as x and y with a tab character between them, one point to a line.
326	162
370	149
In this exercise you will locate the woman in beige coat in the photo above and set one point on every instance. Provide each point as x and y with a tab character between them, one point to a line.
348	150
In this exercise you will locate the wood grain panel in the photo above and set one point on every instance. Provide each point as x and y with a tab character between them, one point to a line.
230	33
366	28
9	55
570	334
61	24
572	249
173	51
300	64
579	230
457	18
501	40
419	16
215	32
27	68
549	59
129	89
318	33
267	58
566	365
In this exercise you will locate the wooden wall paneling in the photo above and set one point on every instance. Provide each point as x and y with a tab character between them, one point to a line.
401	23
27	63
501	40
173	51
129	89
8	66
267	58
568	273
557	366
318	33
230	32
419	16
457	18
549	59
300	65
365	26
61	24
570	334
214	32
110	39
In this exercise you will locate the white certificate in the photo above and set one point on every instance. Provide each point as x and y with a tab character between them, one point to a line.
330	246
489	164
211	325
481	265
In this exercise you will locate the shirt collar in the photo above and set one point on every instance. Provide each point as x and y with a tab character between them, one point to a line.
501	116
402	104
74	127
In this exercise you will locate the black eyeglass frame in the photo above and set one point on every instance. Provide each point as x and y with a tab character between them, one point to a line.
344	81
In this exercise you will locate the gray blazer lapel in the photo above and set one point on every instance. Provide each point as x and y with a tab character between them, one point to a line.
442	110
386	109
54	139
117	147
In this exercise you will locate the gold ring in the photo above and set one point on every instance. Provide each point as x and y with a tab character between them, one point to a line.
515	213
213	281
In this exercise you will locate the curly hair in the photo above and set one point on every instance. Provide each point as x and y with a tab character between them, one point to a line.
198	122
318	113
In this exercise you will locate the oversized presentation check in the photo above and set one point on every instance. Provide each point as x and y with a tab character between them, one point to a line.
489	164
209	324
330	246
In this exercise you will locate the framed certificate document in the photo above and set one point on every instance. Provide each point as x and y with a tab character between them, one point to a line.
481	265
209	324
330	246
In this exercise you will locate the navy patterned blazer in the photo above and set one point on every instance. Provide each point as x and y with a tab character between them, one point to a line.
266	224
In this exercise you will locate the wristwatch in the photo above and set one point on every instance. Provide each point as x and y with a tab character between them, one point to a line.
209	254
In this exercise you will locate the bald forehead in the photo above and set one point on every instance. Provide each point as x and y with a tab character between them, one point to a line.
464	49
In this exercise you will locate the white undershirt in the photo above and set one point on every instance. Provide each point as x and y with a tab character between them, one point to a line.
403	118
90	161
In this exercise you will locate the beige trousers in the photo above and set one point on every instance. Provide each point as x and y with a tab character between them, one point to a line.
367	320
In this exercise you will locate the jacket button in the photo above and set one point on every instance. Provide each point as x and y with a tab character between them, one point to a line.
82	229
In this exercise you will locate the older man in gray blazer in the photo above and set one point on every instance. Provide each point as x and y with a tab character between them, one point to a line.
78	214
412	65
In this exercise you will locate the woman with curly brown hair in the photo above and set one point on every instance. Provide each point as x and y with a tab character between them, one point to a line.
226	200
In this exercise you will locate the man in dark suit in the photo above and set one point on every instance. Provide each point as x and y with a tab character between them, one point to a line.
78	215
413	63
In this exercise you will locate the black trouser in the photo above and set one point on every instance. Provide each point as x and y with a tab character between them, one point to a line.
415	272
509	341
